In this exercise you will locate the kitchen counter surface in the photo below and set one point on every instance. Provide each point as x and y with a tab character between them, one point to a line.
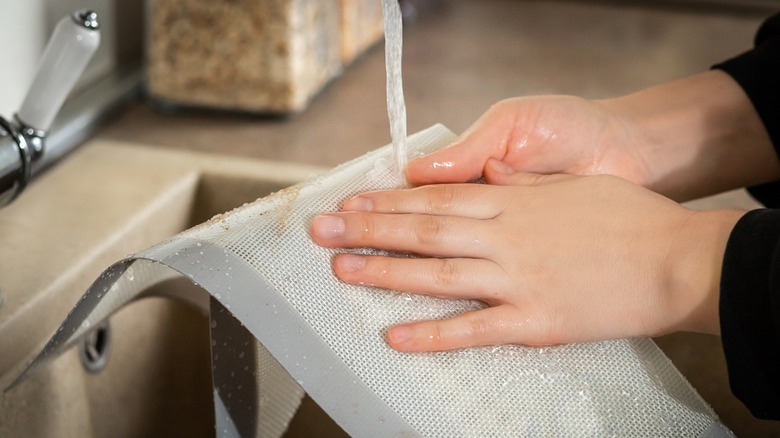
459	58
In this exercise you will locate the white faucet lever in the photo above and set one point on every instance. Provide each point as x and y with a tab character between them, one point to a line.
71	46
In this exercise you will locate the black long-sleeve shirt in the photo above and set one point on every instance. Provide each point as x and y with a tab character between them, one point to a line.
750	283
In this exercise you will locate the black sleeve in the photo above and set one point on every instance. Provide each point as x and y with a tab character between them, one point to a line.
758	73
750	312
750	283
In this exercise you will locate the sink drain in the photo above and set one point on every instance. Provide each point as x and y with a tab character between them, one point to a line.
95	348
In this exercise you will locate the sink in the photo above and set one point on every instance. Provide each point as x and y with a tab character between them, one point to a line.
107	200
110	199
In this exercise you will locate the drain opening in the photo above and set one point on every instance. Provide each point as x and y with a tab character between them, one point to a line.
95	348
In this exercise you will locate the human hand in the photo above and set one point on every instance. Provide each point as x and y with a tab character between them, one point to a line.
557	258
685	139
546	134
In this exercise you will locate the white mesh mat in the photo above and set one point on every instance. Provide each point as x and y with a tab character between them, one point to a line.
270	283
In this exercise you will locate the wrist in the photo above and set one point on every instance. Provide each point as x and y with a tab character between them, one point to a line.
693	271
698	136
667	125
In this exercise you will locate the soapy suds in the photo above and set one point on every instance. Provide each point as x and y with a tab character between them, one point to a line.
396	107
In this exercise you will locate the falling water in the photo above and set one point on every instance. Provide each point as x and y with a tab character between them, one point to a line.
396	107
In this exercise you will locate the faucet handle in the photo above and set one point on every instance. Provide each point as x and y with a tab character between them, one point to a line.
74	41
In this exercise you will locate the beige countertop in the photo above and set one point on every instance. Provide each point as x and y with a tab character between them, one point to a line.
459	58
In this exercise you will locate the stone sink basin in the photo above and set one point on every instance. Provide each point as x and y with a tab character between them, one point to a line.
149	374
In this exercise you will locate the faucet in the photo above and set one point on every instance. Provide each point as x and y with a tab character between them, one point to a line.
22	140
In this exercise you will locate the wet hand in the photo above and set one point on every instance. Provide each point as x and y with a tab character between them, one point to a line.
685	139
557	258
547	134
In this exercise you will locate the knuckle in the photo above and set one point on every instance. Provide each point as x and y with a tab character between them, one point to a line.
445	274
441	199
479	327
429	230
446	198
365	228
437	336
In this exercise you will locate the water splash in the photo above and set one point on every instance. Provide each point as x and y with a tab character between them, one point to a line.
396	107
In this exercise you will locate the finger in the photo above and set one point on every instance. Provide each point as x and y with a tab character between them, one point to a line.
475	201
490	326
464	160
499	173
442	236
444	278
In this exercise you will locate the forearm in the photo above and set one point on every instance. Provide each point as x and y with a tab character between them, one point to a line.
698	136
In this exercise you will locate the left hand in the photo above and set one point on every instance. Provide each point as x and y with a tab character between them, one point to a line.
558	258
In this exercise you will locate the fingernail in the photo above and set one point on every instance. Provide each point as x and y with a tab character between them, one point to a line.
351	262
400	334
358	203
500	167
328	227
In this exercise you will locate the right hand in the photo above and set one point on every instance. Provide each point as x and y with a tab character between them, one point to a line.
548	134
684	139
557	258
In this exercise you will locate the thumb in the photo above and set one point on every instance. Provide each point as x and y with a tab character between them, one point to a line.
501	174
464	160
